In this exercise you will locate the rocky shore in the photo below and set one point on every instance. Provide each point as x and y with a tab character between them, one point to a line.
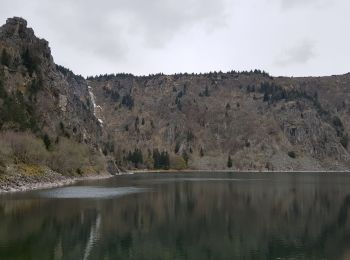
31	177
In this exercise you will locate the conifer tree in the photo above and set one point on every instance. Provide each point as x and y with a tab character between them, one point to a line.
229	162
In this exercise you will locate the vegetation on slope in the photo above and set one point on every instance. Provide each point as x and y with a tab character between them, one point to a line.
45	115
65	156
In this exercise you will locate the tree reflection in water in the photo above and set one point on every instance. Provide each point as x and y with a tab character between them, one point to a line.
251	216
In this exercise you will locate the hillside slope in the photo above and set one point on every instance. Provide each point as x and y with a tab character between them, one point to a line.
234	120
261	122
42	103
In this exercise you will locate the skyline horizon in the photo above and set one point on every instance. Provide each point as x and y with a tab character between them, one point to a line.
288	38
252	70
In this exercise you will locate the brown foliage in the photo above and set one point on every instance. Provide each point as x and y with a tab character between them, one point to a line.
67	157
19	147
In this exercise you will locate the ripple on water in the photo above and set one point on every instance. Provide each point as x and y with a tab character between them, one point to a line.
88	192
207	179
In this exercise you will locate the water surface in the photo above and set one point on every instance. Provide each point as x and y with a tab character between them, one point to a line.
182	216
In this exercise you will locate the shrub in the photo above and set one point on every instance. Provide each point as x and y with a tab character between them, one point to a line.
128	101
345	141
6	153
17	111
337	122
177	162
149	163
292	154
67	157
96	162
22	148
35	86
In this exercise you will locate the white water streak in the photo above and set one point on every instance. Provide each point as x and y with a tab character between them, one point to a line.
93	237
93	100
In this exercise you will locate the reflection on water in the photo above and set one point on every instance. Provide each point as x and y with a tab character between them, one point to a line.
204	179
93	237
85	192
180	216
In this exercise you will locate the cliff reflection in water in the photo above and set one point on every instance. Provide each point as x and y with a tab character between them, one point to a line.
255	217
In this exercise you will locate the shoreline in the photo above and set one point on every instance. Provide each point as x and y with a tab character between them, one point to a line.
231	171
20	183
24	177
24	186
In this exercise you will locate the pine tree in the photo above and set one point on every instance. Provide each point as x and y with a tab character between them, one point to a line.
47	141
156	159
5	58
185	156
206	91
201	153
229	162
29	62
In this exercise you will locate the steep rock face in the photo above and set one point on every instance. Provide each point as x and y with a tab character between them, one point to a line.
49	98
263	123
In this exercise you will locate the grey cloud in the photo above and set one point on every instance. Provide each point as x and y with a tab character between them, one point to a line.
162	19
106	28
150	36
287	4
299	54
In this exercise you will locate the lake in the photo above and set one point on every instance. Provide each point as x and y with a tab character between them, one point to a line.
182	216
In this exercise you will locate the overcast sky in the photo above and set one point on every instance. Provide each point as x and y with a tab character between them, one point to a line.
283	37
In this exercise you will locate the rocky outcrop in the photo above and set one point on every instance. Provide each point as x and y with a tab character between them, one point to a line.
59	101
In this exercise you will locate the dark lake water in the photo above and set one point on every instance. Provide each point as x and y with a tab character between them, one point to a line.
182	216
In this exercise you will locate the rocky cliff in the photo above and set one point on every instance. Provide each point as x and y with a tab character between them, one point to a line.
47	98
47	114
261	122
202	121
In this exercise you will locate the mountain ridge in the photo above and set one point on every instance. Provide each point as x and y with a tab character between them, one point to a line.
178	121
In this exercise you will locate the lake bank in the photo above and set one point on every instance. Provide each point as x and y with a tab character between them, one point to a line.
32	177
19	178
230	171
